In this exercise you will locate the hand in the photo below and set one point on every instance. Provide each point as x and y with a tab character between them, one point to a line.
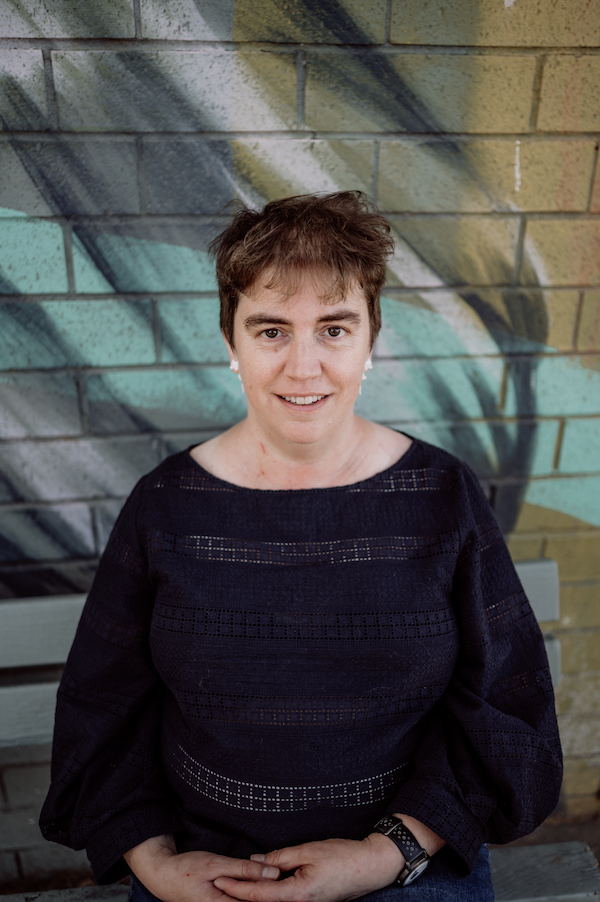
333	870
190	876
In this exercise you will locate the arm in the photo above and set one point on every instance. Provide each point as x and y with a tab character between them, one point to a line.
107	792
332	870
189	876
489	766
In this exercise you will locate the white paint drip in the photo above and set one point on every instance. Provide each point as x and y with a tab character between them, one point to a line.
517	166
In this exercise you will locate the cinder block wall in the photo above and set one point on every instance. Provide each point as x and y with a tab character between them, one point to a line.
128	124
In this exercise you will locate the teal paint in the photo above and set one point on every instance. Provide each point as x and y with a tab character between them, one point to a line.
152	400
76	333
410	329
32	256
190	332
143	265
479	443
563	387
88	278
572	495
580	452
397	391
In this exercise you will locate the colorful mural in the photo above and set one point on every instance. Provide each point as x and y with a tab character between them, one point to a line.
125	128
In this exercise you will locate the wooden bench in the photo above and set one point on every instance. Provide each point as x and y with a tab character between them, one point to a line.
36	635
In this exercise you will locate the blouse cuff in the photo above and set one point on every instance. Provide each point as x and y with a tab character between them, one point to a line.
106	847
443	813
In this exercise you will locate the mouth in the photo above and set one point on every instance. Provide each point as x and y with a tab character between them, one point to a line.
302	400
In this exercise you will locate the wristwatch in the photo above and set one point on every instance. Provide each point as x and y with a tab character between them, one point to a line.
416	857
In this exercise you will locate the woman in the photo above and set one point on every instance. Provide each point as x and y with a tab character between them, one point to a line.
306	654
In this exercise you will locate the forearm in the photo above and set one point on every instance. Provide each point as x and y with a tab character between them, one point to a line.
387	857
147	860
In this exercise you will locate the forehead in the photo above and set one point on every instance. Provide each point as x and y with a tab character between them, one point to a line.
305	287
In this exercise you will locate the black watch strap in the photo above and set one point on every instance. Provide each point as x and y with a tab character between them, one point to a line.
415	855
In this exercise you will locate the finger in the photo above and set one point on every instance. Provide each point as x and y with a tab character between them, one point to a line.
244	869
259	891
286	859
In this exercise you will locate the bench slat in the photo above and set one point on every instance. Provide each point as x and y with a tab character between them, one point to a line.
37	631
27	714
558	872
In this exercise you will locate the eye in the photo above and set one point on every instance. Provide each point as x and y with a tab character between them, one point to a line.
334	331
271	333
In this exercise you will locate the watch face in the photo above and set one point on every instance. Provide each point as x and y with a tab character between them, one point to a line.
416	873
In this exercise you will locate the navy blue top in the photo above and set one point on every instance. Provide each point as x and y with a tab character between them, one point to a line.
255	669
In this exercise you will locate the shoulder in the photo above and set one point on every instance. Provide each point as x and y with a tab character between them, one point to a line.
449	471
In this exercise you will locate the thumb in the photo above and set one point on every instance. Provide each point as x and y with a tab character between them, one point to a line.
243	869
285	859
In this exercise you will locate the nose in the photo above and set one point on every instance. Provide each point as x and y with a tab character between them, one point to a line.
303	362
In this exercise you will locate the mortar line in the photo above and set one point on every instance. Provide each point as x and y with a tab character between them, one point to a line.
388	21
136	437
19	863
305	134
51	102
142	184
156	331
536	92
84	408
519	251
503	386
375	173
559	443
124	44
68	247
137	19
595	167
95	528
578	318
392	291
301	88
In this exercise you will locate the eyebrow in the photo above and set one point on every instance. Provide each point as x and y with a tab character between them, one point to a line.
262	319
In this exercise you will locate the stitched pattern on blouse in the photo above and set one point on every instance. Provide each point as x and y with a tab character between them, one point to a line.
125	635
502	614
366	625
278	798
424	479
486	535
116	703
521	686
341	551
282	711
124	554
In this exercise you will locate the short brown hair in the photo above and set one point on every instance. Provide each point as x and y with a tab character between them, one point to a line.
340	236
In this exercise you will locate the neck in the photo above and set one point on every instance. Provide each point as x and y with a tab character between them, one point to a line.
291	465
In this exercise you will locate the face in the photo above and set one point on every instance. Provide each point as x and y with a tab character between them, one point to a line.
301	360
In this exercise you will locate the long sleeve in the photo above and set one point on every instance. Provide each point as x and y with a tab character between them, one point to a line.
489	764
107	792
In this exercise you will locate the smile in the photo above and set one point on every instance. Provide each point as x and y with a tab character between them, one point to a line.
309	399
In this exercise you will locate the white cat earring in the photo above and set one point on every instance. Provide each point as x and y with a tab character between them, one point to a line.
234	366
368	366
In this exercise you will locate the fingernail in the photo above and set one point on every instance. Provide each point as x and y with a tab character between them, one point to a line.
269	873
257	857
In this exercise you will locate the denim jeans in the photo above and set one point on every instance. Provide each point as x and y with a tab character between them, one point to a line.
438	884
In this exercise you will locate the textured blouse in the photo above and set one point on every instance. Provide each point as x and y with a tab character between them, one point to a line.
255	669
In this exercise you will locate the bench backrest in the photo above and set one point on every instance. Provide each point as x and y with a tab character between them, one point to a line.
36	635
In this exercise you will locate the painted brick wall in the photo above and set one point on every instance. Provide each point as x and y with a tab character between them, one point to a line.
126	125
